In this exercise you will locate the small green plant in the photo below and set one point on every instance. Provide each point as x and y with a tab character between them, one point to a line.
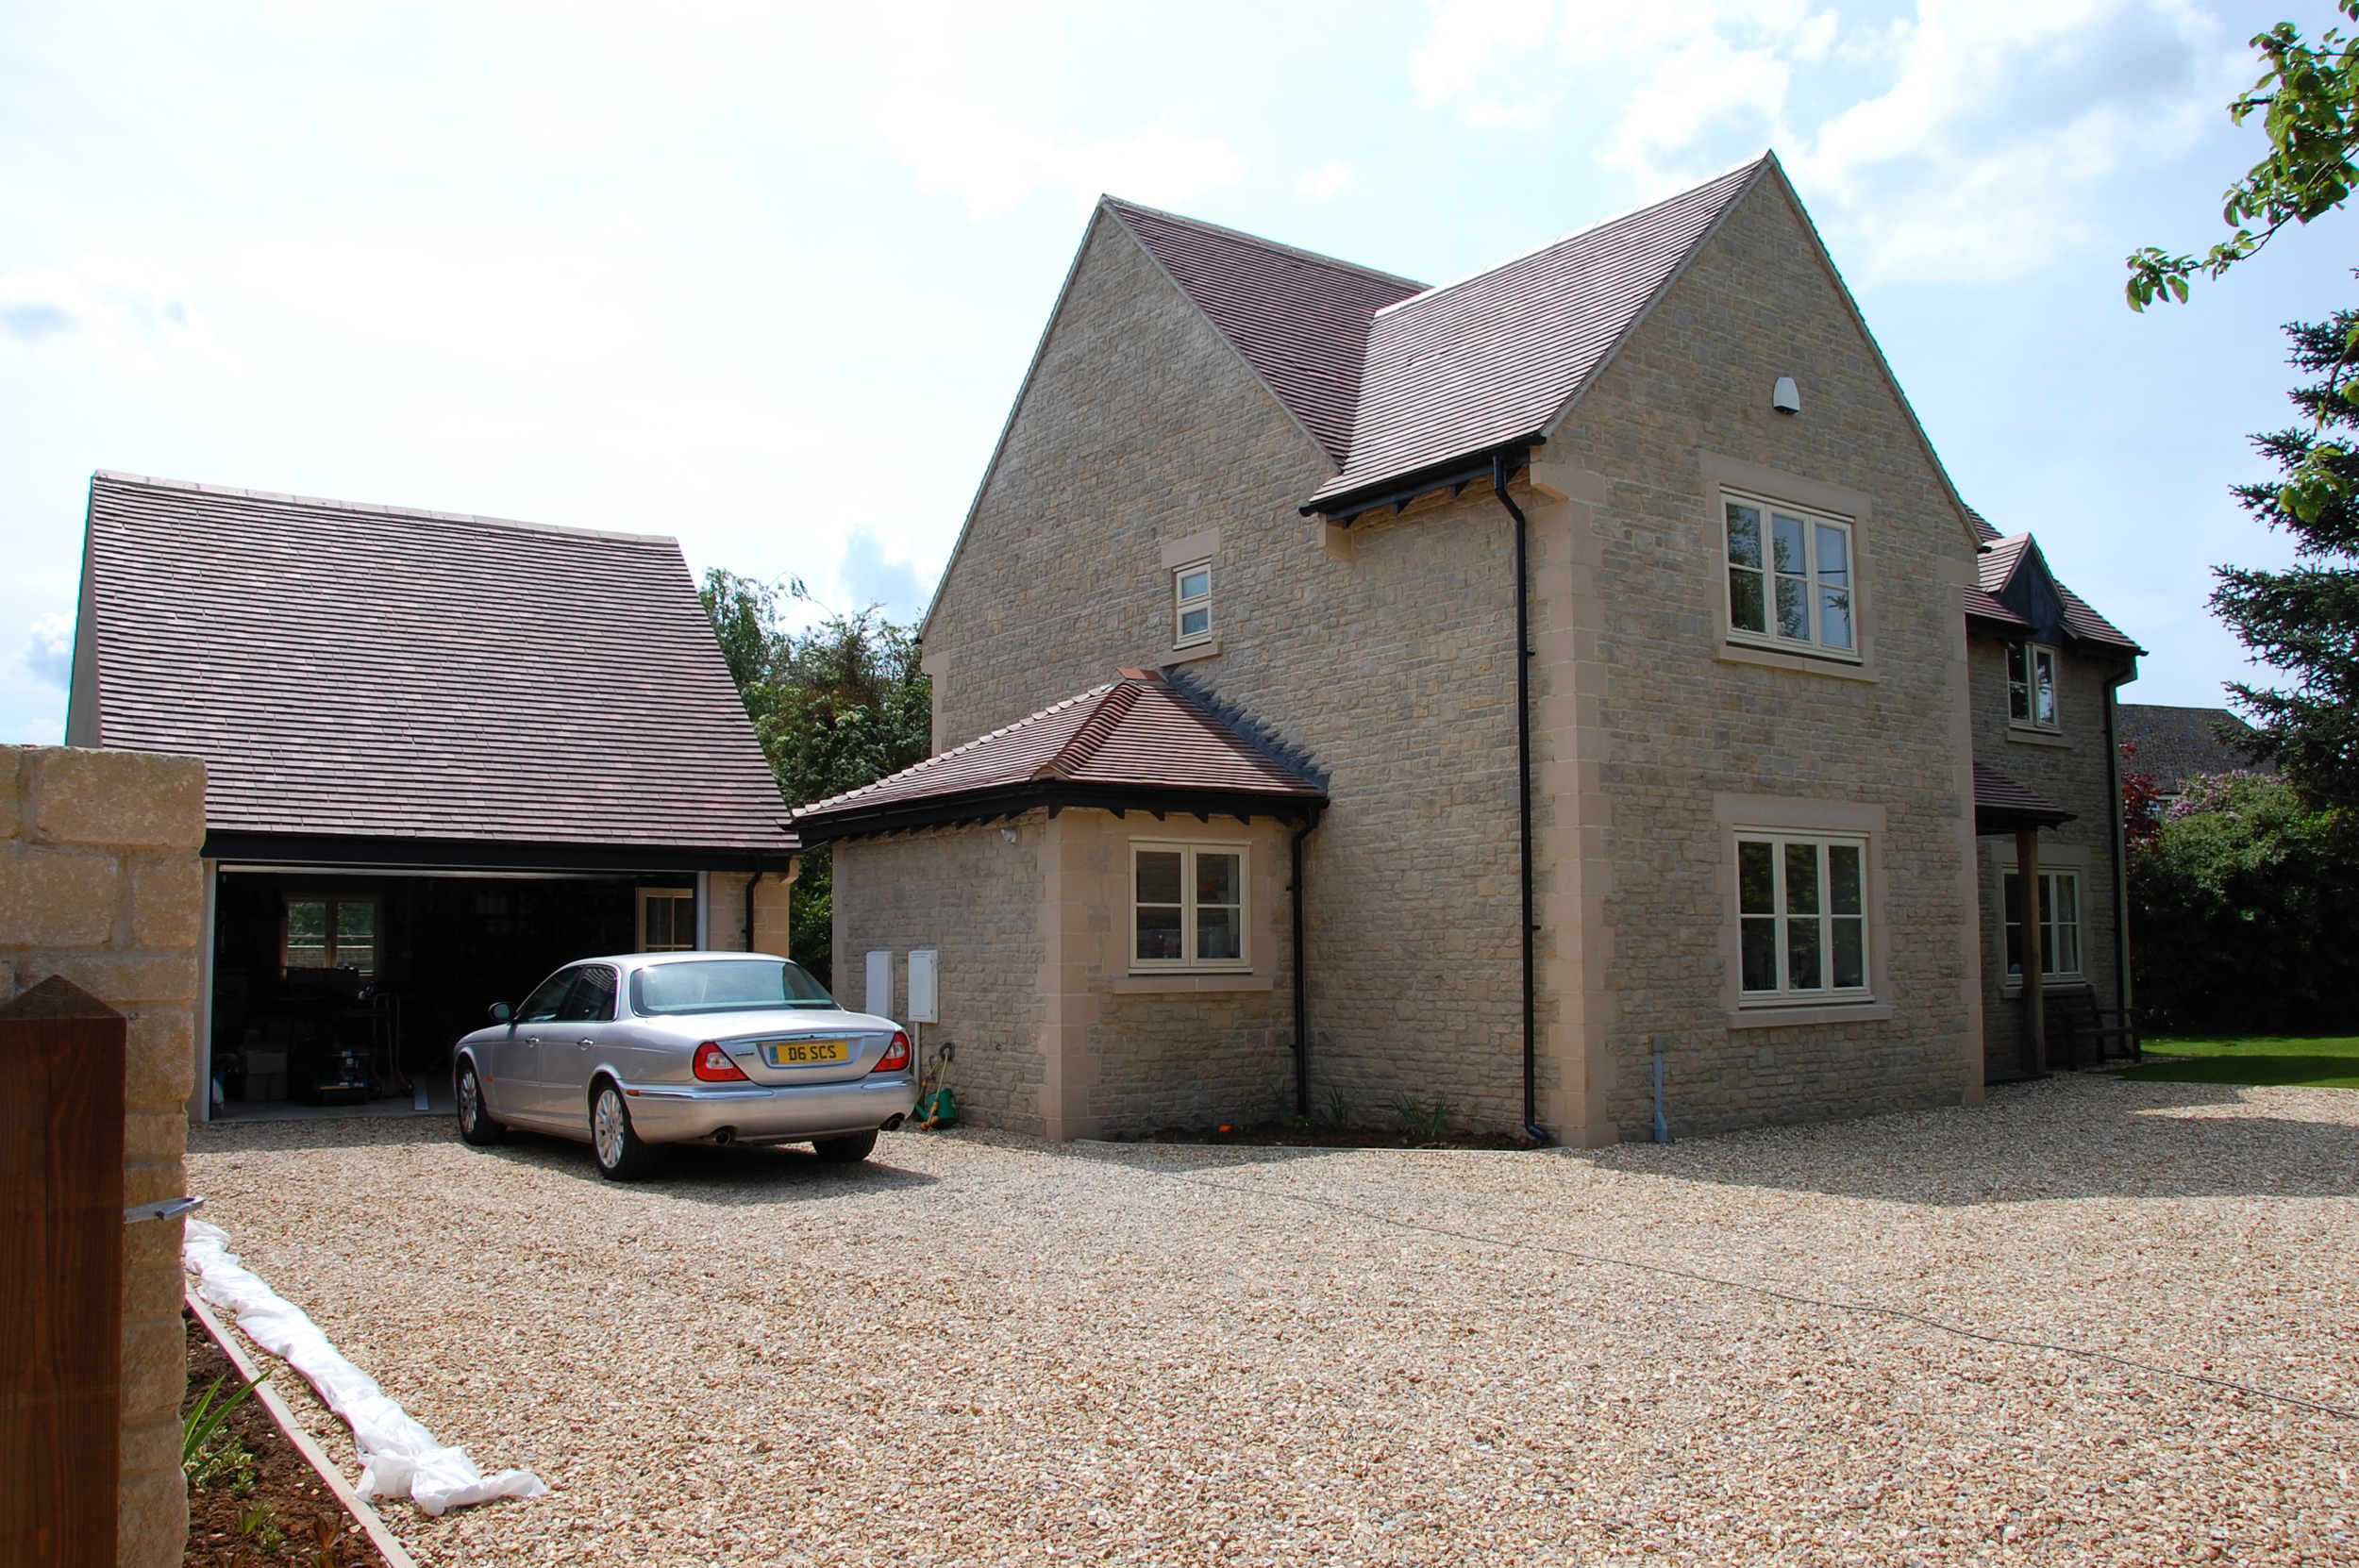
1424	1123
1281	1105
1339	1108
258	1524
210	1453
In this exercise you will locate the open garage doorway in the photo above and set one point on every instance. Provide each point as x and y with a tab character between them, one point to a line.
334	987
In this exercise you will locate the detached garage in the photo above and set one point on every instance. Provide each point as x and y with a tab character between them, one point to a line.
447	754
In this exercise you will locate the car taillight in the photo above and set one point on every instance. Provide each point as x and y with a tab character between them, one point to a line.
714	1066
896	1057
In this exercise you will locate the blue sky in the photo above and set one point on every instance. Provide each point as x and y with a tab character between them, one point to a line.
765	278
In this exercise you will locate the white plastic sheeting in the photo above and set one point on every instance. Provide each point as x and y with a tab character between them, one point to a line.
399	1457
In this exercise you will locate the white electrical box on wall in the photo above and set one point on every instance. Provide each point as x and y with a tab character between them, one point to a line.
924	1002
880	1000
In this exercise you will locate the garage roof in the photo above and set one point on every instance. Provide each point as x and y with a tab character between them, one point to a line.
355	671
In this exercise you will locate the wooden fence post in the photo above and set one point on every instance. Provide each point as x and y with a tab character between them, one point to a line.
61	1066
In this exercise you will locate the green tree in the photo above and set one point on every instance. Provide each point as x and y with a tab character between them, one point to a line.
2305	619
835	706
2244	910
2308	99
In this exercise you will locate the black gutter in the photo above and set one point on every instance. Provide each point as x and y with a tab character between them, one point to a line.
1302	1037
464	854
2121	868
1008	800
749	911
1455	473
1500	471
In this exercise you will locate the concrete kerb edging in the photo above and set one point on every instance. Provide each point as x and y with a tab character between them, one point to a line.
386	1546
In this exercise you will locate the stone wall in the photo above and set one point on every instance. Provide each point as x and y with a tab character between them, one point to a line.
100	882
974	896
1660	732
2070	767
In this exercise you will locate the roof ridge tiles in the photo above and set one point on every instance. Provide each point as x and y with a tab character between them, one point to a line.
373	509
1082	746
942	756
1684	193
1320	257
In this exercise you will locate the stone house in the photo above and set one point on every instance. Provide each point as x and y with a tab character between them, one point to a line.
1723	812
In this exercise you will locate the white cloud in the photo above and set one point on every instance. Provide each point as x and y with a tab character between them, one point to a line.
49	652
1327	181
967	149
135	309
1967	136
871	573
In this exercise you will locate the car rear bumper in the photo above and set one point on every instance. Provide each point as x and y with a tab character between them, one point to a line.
669	1113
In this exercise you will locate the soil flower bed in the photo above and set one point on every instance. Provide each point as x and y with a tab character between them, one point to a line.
1286	1134
251	1498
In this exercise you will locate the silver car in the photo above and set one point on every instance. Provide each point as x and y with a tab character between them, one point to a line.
627	1053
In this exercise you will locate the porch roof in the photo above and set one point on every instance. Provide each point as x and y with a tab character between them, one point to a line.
1136	744
2003	806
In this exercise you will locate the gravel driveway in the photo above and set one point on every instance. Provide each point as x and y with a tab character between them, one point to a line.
1760	1348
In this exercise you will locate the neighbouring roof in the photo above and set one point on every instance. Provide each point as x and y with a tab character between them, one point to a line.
2018	590
1299	319
359	671
2003	806
1496	357
2176	743
1134	742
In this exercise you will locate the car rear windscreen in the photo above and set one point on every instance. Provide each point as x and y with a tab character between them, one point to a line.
724	985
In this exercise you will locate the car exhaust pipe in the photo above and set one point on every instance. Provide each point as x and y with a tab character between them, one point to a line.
723	1136
891	1124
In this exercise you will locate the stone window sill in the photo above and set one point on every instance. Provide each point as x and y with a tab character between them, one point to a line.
2019	737
1786	1018
1738	653
1171	985
1193	652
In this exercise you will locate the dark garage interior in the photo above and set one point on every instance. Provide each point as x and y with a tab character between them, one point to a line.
336	988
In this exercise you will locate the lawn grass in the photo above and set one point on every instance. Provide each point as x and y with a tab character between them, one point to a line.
2308	1062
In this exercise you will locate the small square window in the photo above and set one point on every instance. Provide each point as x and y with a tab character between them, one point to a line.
667	920
1192	604
1188	906
330	933
1790	576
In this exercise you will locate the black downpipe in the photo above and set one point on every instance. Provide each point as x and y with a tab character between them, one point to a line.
1302	1006
2121	867
1532	1128
750	908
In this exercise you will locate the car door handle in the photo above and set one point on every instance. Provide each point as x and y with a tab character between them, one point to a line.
586	1041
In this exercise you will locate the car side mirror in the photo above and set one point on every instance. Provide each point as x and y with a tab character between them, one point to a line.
502	1013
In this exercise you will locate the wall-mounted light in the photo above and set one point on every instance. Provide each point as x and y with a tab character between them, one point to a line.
1786	397
1008	834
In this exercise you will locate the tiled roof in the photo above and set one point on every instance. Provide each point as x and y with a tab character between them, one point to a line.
370	671
1299	319
1982	605
1997	565
2175	743
2003	806
1135	733
1496	356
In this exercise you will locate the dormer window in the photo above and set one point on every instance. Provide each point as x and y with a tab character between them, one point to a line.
1192	604
2032	685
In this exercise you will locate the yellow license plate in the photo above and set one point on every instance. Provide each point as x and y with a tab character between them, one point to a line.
807	1053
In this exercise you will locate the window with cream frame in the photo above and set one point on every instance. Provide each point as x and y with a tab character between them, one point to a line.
1801	916
2031	686
1192	604
667	920
1793	576
2059	923
1188	906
